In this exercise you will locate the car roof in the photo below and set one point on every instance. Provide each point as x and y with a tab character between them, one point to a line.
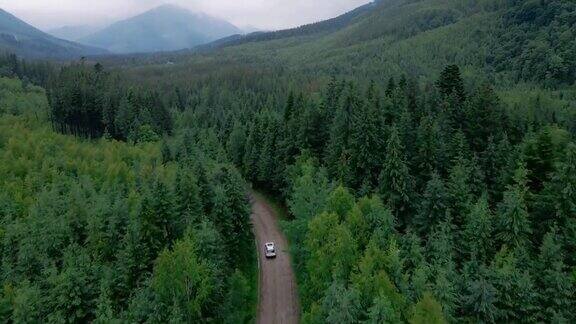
270	243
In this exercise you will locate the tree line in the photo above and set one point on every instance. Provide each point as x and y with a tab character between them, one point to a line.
90	102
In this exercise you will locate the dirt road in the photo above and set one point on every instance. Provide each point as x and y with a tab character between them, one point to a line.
278	299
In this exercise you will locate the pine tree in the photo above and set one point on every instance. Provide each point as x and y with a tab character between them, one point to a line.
513	223
338	149
365	142
485	118
427	311
433	207
555	288
238	296
480	299
236	143
451	83
189	203
557	202
395	180
459	193
431	149
382	311
478	231
341	305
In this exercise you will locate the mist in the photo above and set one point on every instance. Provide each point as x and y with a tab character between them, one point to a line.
261	14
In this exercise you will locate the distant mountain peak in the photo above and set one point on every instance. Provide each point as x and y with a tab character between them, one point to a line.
164	28
25	40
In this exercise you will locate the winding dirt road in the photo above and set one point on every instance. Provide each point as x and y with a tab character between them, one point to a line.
278	297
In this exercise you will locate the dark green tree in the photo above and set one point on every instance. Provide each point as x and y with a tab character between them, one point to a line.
396	184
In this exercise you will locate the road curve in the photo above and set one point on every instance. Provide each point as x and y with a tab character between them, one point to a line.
278	296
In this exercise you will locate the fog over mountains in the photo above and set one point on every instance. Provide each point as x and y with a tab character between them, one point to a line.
165	28
20	38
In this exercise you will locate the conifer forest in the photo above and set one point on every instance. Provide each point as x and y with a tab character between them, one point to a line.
421	155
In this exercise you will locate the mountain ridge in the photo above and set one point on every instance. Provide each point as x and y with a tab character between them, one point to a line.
164	28
18	37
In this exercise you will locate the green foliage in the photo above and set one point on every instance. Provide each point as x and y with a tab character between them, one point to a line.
443	195
395	179
181	280
427	310
90	103
84	224
514	225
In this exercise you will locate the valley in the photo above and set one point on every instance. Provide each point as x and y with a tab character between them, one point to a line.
420	155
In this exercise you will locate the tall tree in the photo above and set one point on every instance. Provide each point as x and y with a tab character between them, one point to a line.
396	184
433	207
514	227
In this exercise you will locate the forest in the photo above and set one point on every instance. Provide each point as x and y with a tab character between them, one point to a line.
428	178
103	231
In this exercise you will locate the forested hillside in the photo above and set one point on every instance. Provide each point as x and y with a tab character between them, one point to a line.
105	231
503	41
424	149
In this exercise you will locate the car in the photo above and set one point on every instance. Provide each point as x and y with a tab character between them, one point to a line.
270	249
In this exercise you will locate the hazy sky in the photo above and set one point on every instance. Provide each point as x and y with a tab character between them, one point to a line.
264	14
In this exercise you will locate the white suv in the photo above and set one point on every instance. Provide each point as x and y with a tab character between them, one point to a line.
270	250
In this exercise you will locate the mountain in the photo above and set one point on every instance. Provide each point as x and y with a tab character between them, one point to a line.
18	37
508	41
326	26
165	28
74	33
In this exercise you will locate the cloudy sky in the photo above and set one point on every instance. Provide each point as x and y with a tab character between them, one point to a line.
263	14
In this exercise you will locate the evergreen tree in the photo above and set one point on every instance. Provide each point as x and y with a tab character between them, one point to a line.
427	310
341	305
236	143
557	202
365	142
433	207
382	311
480	300
395	180
233	309
451	83
338	149
189	203
459	193
556	290
182	280
513	222
431	149
478	231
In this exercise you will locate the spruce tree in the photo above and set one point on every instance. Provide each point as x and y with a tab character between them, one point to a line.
338	149
513	222
396	184
451	83
365	142
556	290
478	231
382	311
427	311
433	207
